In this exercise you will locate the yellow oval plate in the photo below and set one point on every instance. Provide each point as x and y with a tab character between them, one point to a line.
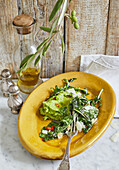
30	122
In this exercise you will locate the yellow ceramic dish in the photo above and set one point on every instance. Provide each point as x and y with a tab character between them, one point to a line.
30	122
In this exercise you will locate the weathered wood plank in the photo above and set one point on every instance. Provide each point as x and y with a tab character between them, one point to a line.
112	47
53	60
91	36
52	63
8	36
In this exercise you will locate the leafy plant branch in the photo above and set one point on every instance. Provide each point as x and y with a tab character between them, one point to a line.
43	47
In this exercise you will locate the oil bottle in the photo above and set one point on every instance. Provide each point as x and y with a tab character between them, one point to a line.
28	78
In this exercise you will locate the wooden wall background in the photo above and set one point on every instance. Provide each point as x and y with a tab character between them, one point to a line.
98	33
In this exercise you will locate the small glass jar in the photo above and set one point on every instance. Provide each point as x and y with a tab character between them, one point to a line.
29	78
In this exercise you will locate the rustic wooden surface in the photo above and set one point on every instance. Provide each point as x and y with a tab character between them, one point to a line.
52	62
112	47
8	38
91	36
98	32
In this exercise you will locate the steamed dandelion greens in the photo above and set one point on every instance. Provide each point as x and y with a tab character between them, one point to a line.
62	102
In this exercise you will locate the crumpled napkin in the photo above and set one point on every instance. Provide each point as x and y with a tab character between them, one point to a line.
106	67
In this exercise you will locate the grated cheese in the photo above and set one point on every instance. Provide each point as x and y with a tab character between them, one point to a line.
44	131
80	126
74	92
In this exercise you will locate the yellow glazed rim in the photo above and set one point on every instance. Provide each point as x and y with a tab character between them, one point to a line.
29	123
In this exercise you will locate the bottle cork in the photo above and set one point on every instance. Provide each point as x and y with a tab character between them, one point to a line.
23	23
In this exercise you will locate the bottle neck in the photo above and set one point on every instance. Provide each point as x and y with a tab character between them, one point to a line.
26	32
28	37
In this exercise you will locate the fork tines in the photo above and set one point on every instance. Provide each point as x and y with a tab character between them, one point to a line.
74	123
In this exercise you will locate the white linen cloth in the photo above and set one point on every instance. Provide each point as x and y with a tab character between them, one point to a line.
106	67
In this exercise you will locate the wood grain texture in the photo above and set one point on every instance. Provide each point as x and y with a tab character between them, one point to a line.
112	47
91	36
98	32
8	36
52	62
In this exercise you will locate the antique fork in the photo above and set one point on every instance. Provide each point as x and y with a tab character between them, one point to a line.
65	165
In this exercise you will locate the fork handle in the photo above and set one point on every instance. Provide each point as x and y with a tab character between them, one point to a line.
65	165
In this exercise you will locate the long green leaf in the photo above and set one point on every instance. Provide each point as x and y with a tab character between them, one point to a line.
22	68
62	41
30	61
47	29
42	44
37	60
55	9
46	47
53	26
26	64
63	12
25	60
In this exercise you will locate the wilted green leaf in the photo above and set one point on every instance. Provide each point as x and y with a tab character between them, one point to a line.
55	9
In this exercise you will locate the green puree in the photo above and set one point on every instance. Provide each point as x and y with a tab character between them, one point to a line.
56	106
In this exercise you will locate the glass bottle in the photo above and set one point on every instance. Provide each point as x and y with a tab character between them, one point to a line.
29	78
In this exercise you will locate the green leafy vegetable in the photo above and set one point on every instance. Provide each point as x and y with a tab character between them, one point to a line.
76	110
59	127
68	81
63	106
97	99
58	89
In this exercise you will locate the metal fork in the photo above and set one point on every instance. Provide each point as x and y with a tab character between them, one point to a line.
65	165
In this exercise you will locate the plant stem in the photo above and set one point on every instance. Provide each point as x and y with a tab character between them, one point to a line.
59	20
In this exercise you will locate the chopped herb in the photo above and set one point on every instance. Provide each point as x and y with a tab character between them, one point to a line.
54	128
61	104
